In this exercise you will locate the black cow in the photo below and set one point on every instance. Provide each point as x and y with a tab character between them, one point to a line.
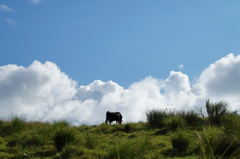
113	116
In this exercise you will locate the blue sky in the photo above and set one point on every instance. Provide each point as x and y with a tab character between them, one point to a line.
123	41
77	59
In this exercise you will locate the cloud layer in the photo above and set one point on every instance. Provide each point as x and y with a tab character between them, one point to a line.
42	92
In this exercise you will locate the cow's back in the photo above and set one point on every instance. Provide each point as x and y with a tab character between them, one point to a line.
113	116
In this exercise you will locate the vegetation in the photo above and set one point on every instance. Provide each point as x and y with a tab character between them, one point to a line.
216	111
166	134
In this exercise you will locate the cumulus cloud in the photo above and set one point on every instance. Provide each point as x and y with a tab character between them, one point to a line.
35	90
42	92
222	77
221	80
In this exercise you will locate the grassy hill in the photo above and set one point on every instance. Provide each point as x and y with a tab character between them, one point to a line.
166	134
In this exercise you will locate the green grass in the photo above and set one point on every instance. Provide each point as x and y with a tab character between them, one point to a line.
113	142
216	111
156	118
167	134
180	143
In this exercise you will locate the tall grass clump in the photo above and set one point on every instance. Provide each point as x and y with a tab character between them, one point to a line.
64	137
59	124
18	123
156	118
181	143
231	124
216	111
42	135
214	143
173	123
191	117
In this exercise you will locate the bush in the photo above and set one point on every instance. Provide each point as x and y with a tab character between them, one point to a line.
180	143
63	138
156	118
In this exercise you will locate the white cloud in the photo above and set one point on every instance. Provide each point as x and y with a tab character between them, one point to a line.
176	82
5	8
221	80
11	22
222	77
180	66
42	92
35	90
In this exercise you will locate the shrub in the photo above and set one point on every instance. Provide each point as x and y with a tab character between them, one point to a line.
216	111
180	143
156	118
63	138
